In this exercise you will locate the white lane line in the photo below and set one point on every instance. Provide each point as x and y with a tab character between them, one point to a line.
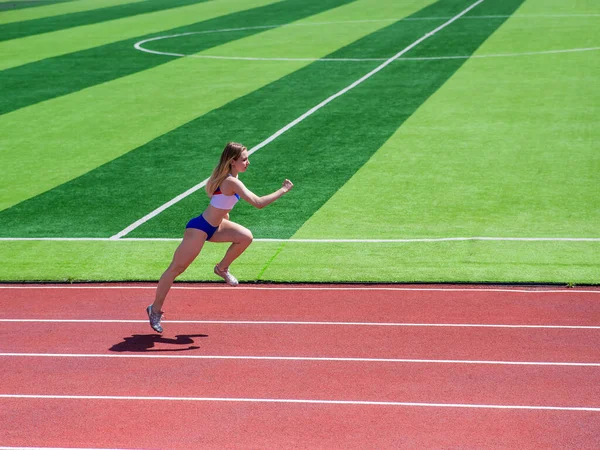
151	355
301	401
59	448
324	241
241	287
200	185
309	323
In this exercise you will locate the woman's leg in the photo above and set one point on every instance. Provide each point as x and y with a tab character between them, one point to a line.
240	238
188	250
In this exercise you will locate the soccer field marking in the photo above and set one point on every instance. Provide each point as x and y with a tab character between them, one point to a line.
322	241
150	355
298	401
139	45
533	290
270	139
422	58
312	323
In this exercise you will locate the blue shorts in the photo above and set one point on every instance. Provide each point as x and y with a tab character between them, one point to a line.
200	223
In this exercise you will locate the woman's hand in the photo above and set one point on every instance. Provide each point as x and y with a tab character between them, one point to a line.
287	185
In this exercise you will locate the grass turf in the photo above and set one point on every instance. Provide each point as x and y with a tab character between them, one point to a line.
498	262
17	52
18	5
62	75
106	12
50	9
84	130
465	261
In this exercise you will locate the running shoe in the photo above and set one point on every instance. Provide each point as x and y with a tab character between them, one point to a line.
230	279
155	318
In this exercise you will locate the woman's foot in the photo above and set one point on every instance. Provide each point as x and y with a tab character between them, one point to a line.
230	279
154	318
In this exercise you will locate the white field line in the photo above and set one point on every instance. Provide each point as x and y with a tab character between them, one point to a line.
421	58
312	323
298	401
324	241
533	290
200	185
139	45
151	355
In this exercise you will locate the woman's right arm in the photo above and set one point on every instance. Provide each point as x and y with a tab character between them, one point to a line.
255	200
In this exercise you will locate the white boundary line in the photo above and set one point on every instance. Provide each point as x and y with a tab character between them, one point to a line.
59	448
150	355
312	323
533	290
266	322
302	401
322	241
200	185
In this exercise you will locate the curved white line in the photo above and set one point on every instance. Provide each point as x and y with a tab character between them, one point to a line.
139	45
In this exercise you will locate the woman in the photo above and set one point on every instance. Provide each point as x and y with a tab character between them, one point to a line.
224	189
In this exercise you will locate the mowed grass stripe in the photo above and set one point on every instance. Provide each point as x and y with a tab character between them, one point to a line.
66	151
62	75
84	130
508	147
63	22
76	19
29	4
46	10
17	52
163	168
320	153
323	152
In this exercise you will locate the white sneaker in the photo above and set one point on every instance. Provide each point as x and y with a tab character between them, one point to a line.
230	279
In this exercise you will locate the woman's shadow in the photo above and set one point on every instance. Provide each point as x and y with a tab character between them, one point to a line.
146	343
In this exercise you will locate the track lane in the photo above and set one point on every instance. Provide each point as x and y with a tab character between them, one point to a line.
323	380
340	303
497	344
218	425
213	424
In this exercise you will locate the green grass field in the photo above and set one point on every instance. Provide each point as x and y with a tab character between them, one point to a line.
471	157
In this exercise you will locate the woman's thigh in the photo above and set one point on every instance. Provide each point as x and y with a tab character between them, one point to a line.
192	243
230	231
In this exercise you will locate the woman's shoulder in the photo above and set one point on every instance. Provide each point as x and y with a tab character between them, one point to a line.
231	183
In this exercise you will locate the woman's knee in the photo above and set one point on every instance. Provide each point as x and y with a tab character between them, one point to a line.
176	269
246	237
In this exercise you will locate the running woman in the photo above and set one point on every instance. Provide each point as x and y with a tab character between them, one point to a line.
224	189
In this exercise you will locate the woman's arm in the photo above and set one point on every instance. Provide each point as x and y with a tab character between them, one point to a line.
249	196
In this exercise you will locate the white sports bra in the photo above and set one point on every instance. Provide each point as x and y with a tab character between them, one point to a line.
221	201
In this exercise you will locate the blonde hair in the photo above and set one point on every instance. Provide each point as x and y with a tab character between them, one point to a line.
231	152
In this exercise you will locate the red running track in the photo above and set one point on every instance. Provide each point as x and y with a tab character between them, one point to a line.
210	383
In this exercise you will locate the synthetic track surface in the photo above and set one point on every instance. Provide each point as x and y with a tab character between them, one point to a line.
456	367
